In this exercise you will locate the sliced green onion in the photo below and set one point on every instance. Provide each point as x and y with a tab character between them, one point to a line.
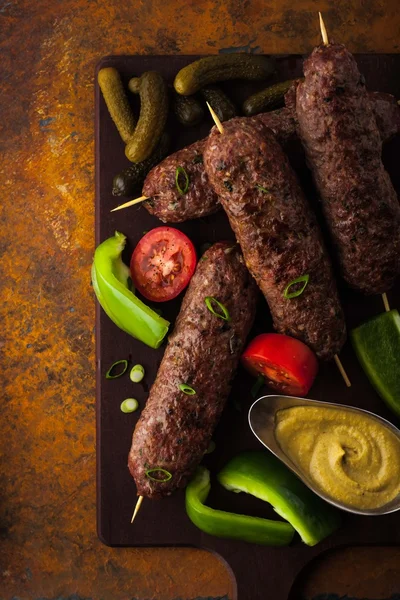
211	447
109	374
262	189
181	171
303	279
186	389
260	381
137	373
129	405
167	474
209	300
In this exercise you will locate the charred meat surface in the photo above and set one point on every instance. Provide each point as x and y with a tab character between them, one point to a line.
170	206
167	199
175	428
277	232
339	132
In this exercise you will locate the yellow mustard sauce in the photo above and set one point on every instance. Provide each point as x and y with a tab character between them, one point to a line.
349	456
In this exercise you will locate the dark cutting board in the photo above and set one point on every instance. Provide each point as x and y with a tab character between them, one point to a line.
260	571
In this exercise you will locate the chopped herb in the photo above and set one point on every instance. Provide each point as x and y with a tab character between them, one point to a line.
186	389
262	189
181	174
110	375
260	381
228	185
129	405
198	159
303	279
167	474
209	300
137	373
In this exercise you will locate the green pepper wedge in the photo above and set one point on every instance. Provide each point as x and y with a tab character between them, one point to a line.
262	475
231	525
377	345
110	278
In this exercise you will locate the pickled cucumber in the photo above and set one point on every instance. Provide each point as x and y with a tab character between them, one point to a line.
131	179
188	110
117	102
219	101
222	67
153	116
267	99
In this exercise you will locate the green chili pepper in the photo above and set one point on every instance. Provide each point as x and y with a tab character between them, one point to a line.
263	475
111	277
377	345
231	525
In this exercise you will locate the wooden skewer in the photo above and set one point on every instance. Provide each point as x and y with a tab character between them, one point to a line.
138	505
323	30
215	117
130	203
385	302
342	371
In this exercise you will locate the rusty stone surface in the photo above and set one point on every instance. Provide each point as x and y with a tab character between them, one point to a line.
49	48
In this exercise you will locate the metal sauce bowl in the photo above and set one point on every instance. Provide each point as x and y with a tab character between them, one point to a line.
262	423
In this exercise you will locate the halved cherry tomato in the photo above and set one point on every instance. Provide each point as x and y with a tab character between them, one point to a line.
163	263
288	365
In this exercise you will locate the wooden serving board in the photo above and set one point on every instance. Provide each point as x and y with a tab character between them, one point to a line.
260	571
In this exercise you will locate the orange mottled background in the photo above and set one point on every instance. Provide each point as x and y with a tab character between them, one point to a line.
49	48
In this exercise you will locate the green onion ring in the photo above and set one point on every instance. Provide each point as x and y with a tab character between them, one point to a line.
303	279
262	189
168	475
129	405
186	389
179	171
209	300
119	362
137	373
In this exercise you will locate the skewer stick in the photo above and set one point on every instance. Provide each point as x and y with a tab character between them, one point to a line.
385	302
342	371
138	505
130	203
215	117
323	30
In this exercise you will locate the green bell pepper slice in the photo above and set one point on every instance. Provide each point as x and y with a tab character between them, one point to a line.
231	525
377	345
263	475
111	278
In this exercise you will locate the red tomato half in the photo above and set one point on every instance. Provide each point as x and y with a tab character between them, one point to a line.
288	365
163	263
